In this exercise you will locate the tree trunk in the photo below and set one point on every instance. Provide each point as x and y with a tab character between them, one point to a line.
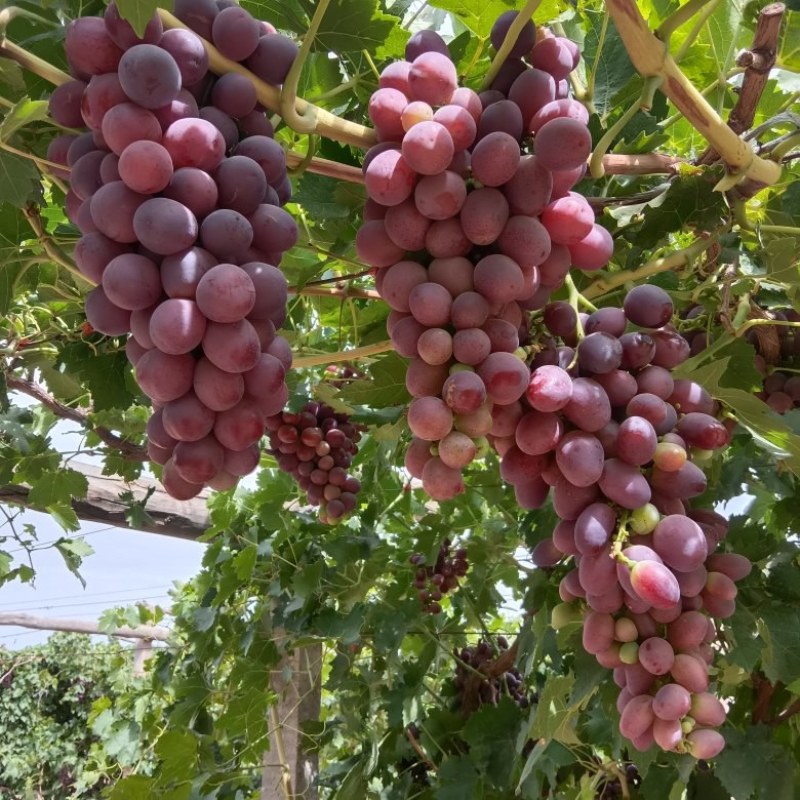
291	764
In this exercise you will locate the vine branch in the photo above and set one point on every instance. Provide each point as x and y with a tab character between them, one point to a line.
677	259
129	450
758	61
343	355
650	58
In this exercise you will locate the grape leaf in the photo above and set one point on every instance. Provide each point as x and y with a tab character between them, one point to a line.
139	12
478	17
457	779
688	203
21	114
19	180
779	628
386	386
553	714
735	765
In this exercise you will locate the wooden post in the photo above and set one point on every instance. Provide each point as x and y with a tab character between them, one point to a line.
291	764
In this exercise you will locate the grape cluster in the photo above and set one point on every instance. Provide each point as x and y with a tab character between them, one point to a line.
781	390
479	681
470	223
316	446
177	188
433	582
618	439
777	359
612	789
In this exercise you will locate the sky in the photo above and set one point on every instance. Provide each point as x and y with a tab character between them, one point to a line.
126	567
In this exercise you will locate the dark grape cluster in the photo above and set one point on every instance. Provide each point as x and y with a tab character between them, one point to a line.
479	681
433	582
177	188
316	446
777	355
612	789
781	390
470	224
621	443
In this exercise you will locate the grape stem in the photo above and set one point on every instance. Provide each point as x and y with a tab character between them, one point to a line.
752	323
678	18
326	167
304	121
643	103
342	355
33	63
650	57
677	259
510	40
620	540
412	740
297	169
53	252
327	124
575	300
344	292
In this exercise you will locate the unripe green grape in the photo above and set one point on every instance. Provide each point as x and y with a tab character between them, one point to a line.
701	457
482	446
644	519
629	653
460	368
625	630
563	614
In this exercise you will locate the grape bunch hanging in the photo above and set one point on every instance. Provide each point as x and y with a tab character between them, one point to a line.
620	442
469	231
316	446
177	188
777	355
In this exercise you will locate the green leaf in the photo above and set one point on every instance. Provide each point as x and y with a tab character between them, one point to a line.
490	733
139	12
203	618
135	787
21	114
58	487
73	551
354	25
779	628
19	180
458	779
735	765
177	751
554	718
386	386
688	203
354	786
478	17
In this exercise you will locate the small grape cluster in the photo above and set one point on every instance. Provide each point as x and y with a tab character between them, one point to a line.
479	682
433	582
612	789
781	390
470	223
177	188
316	446
659	643
778	363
